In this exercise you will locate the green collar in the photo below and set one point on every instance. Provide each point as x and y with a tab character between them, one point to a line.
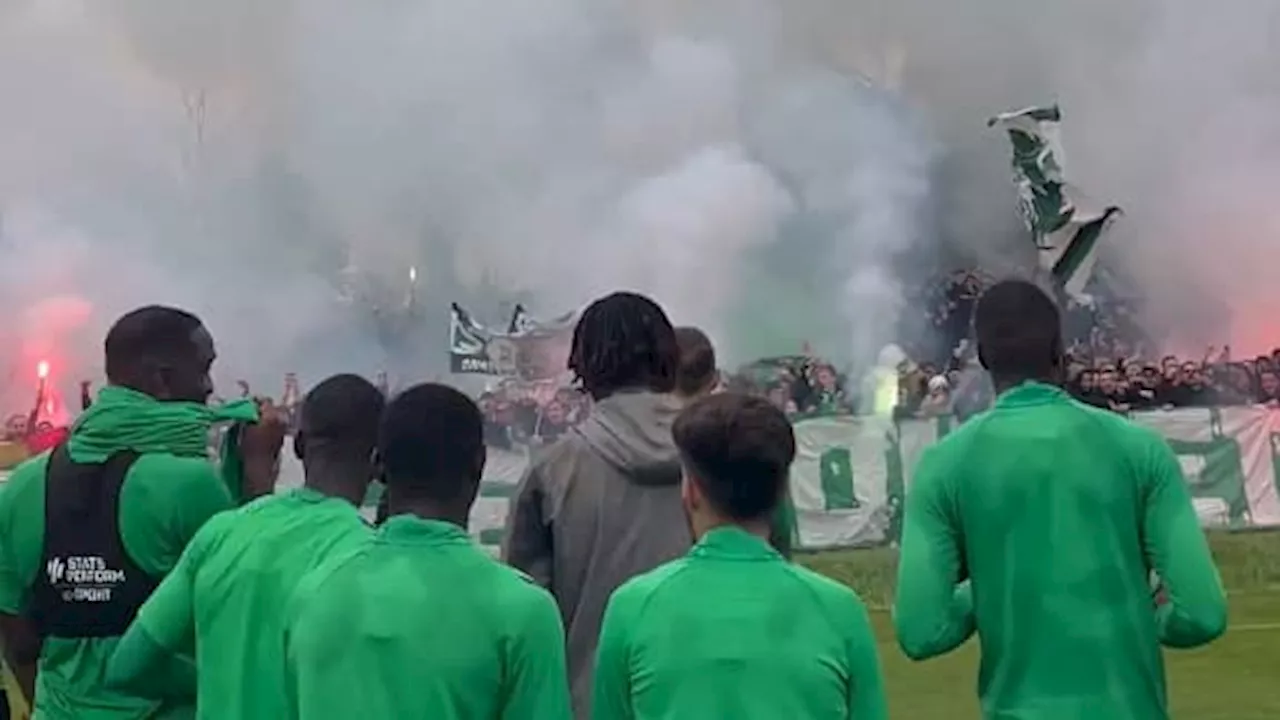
732	542
411	530
1029	394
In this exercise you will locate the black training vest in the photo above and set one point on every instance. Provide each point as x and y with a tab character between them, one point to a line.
88	586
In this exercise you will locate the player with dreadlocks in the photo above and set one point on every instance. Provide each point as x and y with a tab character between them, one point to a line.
603	504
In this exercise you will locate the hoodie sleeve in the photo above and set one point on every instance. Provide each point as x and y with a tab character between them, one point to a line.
526	544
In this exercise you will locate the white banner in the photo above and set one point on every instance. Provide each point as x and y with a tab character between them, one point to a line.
850	472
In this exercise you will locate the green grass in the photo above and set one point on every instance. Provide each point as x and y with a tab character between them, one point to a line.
1235	678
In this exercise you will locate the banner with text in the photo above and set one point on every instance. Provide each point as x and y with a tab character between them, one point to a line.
528	349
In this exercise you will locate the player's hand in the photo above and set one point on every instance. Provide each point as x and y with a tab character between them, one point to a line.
265	437
260	445
1160	596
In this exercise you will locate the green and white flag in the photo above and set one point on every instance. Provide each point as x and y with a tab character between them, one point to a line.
1065	224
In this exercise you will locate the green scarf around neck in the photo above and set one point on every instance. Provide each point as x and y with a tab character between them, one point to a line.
124	419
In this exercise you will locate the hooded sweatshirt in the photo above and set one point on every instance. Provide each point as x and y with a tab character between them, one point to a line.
595	509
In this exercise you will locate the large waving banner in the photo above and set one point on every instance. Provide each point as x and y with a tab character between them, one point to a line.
528	349
1066	226
851	473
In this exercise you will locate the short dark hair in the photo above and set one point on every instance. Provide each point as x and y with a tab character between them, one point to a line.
151	332
739	450
624	340
697	368
343	412
431	439
1019	330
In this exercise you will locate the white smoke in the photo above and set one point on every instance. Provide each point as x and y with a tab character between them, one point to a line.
1171	110
233	157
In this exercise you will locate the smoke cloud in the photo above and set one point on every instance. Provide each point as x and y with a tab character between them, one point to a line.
777	172
1170	110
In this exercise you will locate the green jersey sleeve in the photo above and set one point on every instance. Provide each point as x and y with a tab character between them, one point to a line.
538	681
932	613
168	616
611	689
21	498
1176	548
152	659
164	502
141	666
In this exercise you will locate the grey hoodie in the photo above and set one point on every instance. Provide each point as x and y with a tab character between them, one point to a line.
595	509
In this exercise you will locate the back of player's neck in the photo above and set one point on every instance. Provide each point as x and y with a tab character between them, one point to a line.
1008	383
759	528
347	481
427	510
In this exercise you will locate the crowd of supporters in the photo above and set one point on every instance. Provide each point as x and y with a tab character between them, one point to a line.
1109	368
802	386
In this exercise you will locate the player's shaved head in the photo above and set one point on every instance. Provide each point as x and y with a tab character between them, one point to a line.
337	430
161	351
342	412
1019	333
431	442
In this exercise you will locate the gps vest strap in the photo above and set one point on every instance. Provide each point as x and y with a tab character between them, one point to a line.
88	586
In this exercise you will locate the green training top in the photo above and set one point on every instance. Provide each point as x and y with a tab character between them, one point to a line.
1056	512
163	502
420	622
732	630
229	590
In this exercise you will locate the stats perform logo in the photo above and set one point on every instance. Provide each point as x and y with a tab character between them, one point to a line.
56	569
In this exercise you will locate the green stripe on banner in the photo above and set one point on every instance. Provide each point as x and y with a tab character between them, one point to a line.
895	484
1275	460
1214	465
838	489
1081	246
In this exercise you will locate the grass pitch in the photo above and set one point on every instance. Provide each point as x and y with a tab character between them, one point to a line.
1235	678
